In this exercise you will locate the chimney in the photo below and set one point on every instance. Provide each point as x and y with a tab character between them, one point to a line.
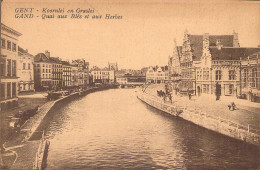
47	53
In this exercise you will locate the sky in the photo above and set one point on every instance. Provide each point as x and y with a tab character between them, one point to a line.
143	37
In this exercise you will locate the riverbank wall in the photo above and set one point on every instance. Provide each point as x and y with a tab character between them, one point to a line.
24	146
203	119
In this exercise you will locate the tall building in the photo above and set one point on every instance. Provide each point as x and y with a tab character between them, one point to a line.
66	75
57	72
25	70
43	71
8	67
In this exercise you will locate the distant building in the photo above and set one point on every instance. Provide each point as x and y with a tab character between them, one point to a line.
25	70
104	76
113	66
129	79
82	74
8	68
57	71
66	74
43	71
74	76
157	74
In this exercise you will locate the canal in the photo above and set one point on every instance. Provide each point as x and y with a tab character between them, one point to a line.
113	129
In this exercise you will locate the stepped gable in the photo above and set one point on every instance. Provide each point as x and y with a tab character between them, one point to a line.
232	53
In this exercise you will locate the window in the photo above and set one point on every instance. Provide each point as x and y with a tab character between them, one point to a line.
14	68
8	45
2	67
8	90
9	67
218	75
29	66
205	75
3	43
43	70
44	65
2	90
232	74
38	65
14	47
245	77
253	78
14	89
24	66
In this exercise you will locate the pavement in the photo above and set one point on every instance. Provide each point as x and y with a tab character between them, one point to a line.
247	113
26	101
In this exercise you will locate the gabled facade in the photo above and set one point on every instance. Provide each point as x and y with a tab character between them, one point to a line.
210	59
157	74
8	68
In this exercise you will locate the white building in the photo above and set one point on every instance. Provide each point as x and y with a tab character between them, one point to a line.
103	76
8	67
25	70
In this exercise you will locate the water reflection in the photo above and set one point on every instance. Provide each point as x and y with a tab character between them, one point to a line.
113	129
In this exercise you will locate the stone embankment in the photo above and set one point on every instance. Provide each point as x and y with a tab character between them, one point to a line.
35	148
204	118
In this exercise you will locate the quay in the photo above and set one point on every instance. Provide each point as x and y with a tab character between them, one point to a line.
31	153
203	117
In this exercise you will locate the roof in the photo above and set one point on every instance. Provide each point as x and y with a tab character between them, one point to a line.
41	57
56	60
196	42
232	53
21	51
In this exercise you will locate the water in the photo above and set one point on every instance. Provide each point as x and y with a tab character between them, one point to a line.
114	130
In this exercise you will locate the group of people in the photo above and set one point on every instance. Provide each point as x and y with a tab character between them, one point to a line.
165	94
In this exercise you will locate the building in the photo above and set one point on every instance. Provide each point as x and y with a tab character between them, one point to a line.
8	67
208	61
66	74
113	66
157	74
43	71
82	75
25	70
104	76
74	76
129	79
250	76
57	71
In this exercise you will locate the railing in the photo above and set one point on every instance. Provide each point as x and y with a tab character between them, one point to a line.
247	132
